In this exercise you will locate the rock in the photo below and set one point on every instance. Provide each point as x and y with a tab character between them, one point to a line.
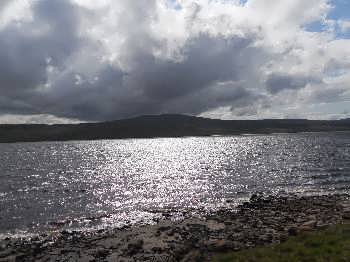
283	237
235	236
6	253
86	258
194	256
109	243
215	226
66	251
219	245
266	238
179	251
228	223
157	249
113	258
322	226
346	215
308	226
293	231
101	252
67	233
164	228
158	233
171	232
255	197
134	247
9	259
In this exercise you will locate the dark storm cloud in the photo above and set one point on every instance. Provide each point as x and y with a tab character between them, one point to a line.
193	84
154	85
207	60
26	50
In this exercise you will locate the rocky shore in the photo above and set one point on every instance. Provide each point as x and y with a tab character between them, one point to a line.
262	220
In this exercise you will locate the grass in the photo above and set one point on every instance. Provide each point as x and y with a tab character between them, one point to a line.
328	245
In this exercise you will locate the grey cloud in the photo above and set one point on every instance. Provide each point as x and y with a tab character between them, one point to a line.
207	60
27	48
328	95
215	70
3	4
334	68
192	85
276	83
209	75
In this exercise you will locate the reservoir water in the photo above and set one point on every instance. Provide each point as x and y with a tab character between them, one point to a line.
88	185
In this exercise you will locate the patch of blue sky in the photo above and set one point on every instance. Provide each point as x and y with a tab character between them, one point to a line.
343	34
340	12
174	4
316	26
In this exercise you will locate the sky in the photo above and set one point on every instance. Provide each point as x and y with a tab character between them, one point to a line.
67	61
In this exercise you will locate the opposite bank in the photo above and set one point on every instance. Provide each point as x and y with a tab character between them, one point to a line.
164	126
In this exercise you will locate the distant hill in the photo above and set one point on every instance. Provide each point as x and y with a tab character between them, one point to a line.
164	126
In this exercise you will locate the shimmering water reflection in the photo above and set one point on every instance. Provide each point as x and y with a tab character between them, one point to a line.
93	184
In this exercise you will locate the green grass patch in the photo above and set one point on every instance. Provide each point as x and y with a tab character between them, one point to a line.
328	245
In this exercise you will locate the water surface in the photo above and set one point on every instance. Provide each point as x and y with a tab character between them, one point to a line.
106	183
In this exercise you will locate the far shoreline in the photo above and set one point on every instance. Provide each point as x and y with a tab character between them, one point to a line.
165	126
180	137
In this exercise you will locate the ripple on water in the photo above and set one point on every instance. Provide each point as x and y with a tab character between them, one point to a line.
44	183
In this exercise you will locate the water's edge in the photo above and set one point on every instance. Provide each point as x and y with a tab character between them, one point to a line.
262	220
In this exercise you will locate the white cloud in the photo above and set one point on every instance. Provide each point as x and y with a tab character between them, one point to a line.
35	119
344	25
